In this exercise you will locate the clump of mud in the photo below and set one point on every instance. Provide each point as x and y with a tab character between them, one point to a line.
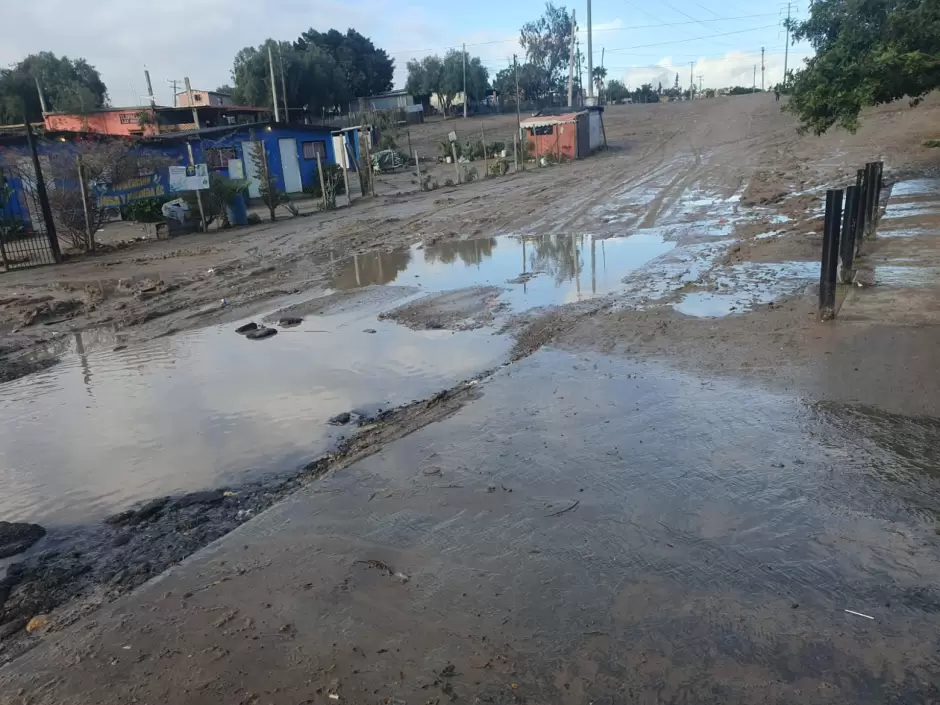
463	309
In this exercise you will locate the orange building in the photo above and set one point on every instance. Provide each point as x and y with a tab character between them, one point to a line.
149	120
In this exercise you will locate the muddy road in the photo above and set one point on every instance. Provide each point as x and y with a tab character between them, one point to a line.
691	453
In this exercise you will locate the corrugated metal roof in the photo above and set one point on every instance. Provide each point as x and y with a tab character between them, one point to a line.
541	120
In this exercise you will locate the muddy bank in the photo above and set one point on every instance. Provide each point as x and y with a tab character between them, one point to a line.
464	309
72	573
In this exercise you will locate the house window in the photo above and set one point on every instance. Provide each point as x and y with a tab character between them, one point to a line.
217	158
312	149
545	130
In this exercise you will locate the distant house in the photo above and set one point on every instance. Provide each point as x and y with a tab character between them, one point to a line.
201	98
390	100
150	120
568	135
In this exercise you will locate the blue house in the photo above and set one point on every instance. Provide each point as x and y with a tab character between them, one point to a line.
230	150
233	151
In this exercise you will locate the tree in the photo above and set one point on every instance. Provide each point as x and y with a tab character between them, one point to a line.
547	45
645	94
68	85
600	73
868	52
433	75
315	84
660	89
366	70
225	88
616	91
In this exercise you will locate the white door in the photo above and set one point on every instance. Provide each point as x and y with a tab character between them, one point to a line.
252	168
290	165
339	149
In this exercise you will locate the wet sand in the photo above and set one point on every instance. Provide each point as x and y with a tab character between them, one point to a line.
555	550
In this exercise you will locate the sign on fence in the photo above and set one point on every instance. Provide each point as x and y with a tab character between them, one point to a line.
189	178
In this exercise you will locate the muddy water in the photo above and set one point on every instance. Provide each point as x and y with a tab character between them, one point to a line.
535	272
106	428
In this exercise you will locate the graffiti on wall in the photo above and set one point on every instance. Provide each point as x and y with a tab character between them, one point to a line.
117	195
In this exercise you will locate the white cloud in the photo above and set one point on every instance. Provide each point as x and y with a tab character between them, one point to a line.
734	68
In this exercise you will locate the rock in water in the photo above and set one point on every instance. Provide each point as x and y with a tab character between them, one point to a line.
17	537
340	419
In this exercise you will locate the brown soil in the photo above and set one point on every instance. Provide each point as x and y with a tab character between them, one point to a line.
463	309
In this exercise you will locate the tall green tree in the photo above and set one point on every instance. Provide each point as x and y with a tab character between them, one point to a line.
444	78
315	84
616	91
547	45
71	85
868	52
366	70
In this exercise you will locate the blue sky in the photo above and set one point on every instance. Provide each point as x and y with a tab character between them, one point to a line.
639	41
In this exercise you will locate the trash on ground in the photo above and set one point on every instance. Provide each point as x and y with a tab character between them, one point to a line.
859	614
566	509
261	333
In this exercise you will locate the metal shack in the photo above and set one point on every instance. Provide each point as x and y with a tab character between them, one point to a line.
569	135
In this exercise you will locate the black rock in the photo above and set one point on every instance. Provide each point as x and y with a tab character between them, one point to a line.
17	537
135	516
290	321
369	330
247	328
340	419
120	540
261	333
206	497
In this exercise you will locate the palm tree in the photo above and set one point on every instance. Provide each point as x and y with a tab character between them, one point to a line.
600	73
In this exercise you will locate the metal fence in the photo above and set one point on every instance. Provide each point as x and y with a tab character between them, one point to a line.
851	217
27	231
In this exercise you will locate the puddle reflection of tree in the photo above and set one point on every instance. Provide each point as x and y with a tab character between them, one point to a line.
555	255
372	268
470	252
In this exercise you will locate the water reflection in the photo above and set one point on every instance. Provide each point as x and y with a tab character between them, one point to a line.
105	427
537	271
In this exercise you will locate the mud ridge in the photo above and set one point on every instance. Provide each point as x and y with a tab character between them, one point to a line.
91	566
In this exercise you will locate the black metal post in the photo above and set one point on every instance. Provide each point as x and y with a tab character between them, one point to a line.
43	196
876	212
860	221
847	240
830	255
871	189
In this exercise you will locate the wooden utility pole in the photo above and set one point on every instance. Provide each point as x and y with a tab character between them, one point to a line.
464	55
590	58
515	73
691	79
189	147
277	112
571	62
762	68
786	49
280	60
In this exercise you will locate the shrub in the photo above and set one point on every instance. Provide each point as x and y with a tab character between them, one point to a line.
331	172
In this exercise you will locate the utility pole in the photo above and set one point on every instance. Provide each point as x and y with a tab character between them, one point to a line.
465	80
571	62
172	82
189	147
691	79
277	112
700	77
754	84
590	58
515	73
280	61
577	53
42	98
762	67
786	49
153	102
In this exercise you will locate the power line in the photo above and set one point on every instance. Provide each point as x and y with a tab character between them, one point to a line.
581	31
695	39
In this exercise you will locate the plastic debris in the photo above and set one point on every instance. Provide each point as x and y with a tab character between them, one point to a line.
859	614
40	621
224	303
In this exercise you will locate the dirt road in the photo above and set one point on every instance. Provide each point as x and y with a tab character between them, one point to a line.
677	500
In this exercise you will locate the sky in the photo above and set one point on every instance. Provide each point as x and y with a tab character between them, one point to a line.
637	41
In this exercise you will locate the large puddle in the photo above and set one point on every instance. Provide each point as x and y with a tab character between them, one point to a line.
106	428
534	271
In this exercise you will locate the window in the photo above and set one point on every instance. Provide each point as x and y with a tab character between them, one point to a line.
545	130
217	158
197	97
311	149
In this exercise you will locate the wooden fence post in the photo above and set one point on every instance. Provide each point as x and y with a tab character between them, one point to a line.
322	181
453	151
486	168
89	236
830	255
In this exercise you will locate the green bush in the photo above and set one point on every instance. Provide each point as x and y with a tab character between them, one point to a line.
146	210
332	172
